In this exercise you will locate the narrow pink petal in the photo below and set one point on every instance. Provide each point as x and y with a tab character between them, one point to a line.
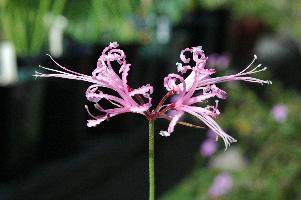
125	68
94	96
116	111
145	90
140	109
208	110
174	121
172	124
189	80
199	98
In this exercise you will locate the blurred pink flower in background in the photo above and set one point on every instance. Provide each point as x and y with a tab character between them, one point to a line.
208	147
279	112
221	185
221	61
211	134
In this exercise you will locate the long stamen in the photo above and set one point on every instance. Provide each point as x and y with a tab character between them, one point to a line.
139	98
64	68
183	123
167	108
88	111
255	58
168	94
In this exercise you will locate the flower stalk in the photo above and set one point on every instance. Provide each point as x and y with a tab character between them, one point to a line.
151	159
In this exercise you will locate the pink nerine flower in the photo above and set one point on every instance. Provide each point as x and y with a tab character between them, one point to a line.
105	77
198	87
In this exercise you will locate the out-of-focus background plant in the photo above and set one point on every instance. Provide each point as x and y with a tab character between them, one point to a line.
24	23
46	150
265	164
267	11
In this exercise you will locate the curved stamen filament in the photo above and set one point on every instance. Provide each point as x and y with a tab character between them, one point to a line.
183	123
159	106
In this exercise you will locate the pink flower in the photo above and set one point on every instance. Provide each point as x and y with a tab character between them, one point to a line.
198	87
221	61
279	112
208	147
222	184
125	100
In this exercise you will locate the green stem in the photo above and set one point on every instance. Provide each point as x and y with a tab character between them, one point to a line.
151	156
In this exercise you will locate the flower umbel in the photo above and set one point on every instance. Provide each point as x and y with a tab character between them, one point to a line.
126	100
188	94
198	87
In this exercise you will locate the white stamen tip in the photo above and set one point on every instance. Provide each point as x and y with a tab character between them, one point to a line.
216	103
255	57
164	133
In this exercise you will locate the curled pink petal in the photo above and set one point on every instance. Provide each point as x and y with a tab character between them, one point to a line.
181	68
170	83
199	57
183	57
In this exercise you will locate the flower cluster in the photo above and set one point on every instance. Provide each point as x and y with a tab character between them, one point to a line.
188	93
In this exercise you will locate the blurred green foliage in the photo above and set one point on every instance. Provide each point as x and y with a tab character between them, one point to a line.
96	20
280	15
271	148
26	22
23	23
128	21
